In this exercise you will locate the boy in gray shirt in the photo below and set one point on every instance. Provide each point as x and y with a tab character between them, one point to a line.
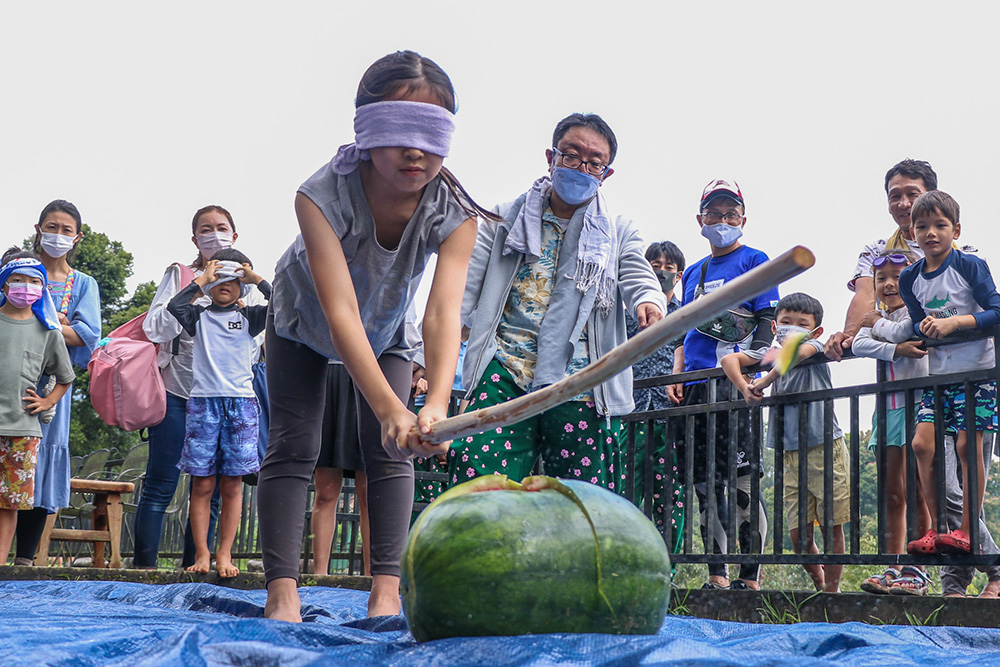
799	314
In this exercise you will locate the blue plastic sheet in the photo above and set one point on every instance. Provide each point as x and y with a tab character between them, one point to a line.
85	623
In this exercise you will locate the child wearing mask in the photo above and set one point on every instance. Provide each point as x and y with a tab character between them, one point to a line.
33	346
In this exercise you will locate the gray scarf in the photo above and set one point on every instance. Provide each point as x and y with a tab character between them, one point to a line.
597	252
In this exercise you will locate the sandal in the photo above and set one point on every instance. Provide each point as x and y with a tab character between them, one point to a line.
712	586
955	542
925	546
740	585
881	583
913	582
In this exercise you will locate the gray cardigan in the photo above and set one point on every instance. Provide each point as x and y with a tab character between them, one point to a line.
491	275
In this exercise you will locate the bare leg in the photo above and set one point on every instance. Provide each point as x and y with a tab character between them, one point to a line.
832	573
361	496
962	451
201	507
229	523
283	602
8	524
895	488
815	571
384	598
328	482
923	450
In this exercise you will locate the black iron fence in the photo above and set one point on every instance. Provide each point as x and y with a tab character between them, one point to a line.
662	474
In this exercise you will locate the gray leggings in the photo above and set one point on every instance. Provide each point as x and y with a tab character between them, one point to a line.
296	383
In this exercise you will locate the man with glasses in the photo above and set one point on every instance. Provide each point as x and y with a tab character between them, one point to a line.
546	295
747	329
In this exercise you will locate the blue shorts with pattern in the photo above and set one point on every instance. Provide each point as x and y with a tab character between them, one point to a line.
220	437
954	407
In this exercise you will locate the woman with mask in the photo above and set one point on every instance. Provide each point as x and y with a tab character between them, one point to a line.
212	230
546	294
78	302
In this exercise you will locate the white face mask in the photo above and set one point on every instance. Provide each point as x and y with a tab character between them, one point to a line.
783	331
57	245
213	242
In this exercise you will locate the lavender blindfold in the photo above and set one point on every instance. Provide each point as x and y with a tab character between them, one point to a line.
398	123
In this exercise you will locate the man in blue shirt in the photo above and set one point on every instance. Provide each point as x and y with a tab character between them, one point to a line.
747	329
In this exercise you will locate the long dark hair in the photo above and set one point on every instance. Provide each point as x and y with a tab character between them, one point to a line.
57	206
405	71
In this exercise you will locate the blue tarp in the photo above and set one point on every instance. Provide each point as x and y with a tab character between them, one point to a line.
85	623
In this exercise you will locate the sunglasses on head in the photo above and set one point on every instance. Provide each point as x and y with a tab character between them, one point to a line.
898	260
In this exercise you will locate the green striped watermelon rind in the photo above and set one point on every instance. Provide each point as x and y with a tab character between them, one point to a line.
494	557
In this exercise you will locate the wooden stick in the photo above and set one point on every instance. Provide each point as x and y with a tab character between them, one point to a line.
678	323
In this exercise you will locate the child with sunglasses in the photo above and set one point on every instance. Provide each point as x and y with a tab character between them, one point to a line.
907	359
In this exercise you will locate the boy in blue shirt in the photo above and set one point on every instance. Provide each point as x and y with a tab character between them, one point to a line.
946	291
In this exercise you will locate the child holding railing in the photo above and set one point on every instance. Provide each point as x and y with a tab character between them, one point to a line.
907	359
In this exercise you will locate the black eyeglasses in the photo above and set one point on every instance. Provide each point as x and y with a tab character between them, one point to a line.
572	161
729	218
895	258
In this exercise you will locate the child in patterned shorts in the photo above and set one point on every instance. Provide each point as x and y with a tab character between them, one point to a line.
944	292
33	346
221	432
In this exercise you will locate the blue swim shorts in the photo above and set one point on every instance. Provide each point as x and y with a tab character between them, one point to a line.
220	437
954	406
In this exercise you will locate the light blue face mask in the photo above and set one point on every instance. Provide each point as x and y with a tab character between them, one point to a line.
721	235
573	186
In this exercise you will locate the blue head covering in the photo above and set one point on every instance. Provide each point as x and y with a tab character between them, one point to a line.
43	309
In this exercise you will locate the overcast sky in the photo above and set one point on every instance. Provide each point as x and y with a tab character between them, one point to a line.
141	113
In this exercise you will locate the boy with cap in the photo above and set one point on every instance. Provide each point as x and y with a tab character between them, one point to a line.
222	412
747	329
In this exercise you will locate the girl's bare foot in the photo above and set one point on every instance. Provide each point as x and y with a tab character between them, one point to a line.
202	565
224	566
991	590
283	602
384	598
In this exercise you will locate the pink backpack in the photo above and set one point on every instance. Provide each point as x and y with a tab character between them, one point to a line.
126	387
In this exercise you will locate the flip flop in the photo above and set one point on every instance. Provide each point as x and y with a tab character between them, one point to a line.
925	546
880	584
955	542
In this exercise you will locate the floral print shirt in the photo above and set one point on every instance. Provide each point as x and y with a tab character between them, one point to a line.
517	334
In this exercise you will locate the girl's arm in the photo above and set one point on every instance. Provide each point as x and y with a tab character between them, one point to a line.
865	345
86	322
442	328
335	292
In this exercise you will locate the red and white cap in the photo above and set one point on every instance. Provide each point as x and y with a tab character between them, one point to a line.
721	188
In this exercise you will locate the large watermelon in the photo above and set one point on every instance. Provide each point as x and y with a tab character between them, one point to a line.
494	557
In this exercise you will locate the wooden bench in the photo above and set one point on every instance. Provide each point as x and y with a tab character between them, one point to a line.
107	517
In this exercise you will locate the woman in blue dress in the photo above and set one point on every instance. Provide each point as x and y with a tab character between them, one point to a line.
77	299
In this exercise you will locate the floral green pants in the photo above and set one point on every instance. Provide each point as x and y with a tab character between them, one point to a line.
667	506
573	441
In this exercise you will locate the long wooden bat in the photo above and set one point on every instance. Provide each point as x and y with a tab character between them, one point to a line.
678	323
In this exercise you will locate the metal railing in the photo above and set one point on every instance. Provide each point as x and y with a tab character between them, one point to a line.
680	421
